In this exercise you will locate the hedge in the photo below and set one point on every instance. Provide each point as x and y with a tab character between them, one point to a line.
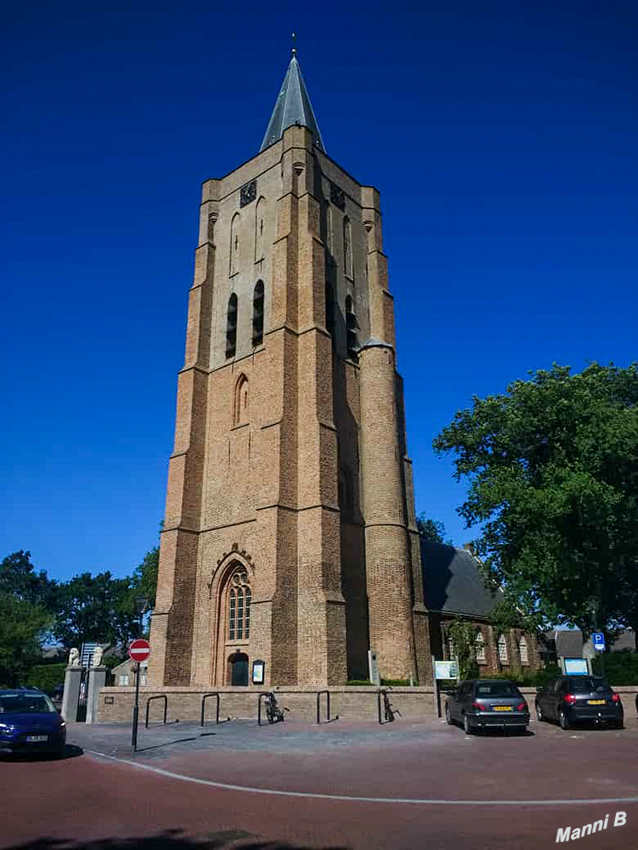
620	668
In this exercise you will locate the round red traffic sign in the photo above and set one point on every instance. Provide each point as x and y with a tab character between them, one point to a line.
139	650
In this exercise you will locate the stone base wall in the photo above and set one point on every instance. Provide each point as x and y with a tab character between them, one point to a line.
115	704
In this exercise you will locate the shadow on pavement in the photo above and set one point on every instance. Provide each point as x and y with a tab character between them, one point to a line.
70	752
170	840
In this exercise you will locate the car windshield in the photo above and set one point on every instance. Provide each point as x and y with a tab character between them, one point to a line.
496	689
587	683
25	704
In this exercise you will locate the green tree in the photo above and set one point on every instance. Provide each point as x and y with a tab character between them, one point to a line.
432	530
18	578
95	608
462	633
22	626
145	576
552	468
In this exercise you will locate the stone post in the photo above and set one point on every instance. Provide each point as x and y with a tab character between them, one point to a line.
71	696
97	680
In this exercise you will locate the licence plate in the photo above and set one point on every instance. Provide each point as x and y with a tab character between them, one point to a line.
502	708
36	739
596	701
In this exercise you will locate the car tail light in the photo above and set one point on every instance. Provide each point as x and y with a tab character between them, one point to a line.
478	705
570	699
615	697
522	706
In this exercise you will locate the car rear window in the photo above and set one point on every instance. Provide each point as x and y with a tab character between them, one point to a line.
496	689
23	704
587	683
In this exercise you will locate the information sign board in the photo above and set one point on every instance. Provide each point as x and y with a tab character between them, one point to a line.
446	670
576	667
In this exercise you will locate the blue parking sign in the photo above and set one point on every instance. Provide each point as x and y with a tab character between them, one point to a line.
598	639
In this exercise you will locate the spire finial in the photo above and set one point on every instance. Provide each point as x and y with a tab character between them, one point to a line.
294	44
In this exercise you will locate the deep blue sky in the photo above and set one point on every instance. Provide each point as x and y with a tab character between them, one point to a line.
504	145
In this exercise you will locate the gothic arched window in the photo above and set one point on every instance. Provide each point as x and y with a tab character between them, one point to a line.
258	313
231	326
234	244
239	598
522	649
347	247
240	407
502	649
260	225
352	340
480	647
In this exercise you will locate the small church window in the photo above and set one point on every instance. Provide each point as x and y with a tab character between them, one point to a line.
352	340
522	648
231	326
347	247
240	407
260	217
502	649
258	314
480	647
234	244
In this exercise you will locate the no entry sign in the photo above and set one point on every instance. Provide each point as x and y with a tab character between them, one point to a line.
139	650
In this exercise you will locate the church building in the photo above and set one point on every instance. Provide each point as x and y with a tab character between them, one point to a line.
289	535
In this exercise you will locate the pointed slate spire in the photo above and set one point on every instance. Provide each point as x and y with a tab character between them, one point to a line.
292	107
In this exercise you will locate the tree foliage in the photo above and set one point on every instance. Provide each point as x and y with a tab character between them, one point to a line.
21	628
462	634
432	530
145	576
95	608
18	578
552	468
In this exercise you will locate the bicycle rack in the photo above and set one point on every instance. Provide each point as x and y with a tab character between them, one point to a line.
204	698
148	703
319	695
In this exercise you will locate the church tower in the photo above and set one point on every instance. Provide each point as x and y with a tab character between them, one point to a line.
289	535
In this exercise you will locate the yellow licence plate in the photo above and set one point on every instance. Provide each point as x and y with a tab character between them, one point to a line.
502	708
596	701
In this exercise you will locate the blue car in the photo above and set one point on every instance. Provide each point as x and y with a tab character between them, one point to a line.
30	723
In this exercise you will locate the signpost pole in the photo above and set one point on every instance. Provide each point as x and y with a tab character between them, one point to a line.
138	651
136	707
437	693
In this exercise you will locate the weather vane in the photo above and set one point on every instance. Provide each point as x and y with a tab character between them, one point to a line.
294	44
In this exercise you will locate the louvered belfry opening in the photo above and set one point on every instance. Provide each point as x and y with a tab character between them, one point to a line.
231	327
258	314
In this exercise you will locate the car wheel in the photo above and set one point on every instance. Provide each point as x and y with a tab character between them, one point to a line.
539	713
466	725
619	724
448	716
563	720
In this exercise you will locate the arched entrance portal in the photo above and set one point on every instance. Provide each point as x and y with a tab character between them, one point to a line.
238	669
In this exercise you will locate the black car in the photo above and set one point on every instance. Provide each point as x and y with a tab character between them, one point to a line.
486	704
573	699
30	723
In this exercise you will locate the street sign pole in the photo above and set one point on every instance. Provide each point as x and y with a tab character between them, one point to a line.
136	708
138	651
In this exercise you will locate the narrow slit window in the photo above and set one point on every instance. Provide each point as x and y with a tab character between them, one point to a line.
352	339
231	616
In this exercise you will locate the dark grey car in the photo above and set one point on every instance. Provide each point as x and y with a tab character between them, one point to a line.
572	699
487	704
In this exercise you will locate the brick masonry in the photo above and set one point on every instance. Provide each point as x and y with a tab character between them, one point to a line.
289	480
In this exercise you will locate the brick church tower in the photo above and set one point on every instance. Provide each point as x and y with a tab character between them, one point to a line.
289	535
